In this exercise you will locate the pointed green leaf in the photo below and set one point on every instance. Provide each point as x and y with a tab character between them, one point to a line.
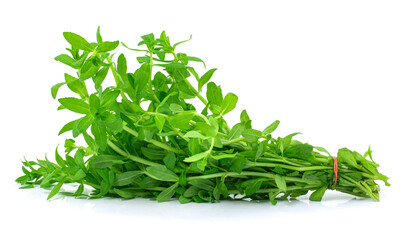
75	105
159	122
280	182
68	127
197	157
195	134
214	94
170	160
79	175
253	187
55	88
65	59
77	41
271	127
251	135
229	103
205	78
126	178
55	190
98	36
161	174
167	194
318	194
104	161
107	46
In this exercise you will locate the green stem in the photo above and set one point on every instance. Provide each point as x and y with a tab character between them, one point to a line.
251	174
300	169
150	77
204	101
155	142
289	188
235	140
132	157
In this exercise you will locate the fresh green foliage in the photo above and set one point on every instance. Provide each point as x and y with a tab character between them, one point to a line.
144	138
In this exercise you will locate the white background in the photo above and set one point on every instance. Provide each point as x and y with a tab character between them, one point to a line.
333	70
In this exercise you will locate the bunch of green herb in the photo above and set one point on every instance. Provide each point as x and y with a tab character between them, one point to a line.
145	139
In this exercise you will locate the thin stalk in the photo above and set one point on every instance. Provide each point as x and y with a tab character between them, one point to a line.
155	142
235	140
252	174
132	157
150	77
289	188
300	169
204	101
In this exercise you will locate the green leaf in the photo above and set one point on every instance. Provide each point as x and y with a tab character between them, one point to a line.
161	174
153	153
345	155
167	194
55	190
59	159
176	44
100	76
126	178
322	149
261	149
76	85
195	134
65	59
89	69
170	160
79	175
175	108
79	190
280	182
205	129
197	157
98	36
229	103
224	155
251	135
236	131
271	127
191	191
68	127
55	88
107	46
238	164
159	122
100	136
77	41
318	194
75	105
109	98
183	199
104	161
82	125
300	151
214	94
181	120
244	116
205	78
79	161
90	141
122	65
253	187
204	184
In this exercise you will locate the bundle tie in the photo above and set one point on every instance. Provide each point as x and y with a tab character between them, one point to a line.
335	170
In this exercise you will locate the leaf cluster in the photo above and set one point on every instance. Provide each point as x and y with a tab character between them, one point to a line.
144	138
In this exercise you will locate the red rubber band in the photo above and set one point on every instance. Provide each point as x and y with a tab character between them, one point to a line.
335	170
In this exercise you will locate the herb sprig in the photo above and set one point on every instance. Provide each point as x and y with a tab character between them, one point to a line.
171	149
